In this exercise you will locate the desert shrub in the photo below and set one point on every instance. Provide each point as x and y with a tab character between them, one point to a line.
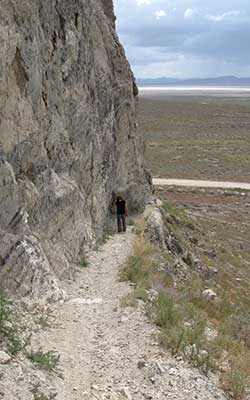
129	300
143	248
84	263
47	361
43	321
166	313
193	289
140	264
141	294
6	314
236	382
238	326
8	329
177	214
221	345
134	271
170	208
195	334
189	341
172	338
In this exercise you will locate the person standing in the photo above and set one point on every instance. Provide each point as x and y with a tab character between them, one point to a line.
122	213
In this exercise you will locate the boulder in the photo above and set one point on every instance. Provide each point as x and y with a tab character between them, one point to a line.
4	357
155	230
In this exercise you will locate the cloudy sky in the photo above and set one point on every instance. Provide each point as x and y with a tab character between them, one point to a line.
185	38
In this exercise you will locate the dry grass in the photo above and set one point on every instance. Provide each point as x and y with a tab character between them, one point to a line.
140	265
140	226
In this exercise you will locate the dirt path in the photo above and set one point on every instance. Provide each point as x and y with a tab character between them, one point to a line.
198	183
111	352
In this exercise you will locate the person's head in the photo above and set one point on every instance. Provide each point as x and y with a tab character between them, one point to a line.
119	198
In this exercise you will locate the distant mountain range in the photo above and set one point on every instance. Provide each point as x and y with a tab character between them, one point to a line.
218	81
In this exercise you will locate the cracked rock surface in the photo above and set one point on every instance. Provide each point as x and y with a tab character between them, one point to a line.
68	137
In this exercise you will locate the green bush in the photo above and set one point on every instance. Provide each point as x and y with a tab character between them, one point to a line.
47	361
8	330
84	263
236	383
43	321
238	326
6	314
166	313
134	271
173	338
177	214
140	265
141	294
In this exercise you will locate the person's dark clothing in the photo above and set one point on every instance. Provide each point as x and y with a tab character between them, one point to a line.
121	207
121	215
121	222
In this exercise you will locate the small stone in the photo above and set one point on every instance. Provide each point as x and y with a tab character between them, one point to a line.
124	319
148	396
159	203
160	368
172	371
141	364
4	357
95	387
209	294
8	324
126	394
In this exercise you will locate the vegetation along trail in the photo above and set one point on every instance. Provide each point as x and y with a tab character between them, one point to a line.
109	351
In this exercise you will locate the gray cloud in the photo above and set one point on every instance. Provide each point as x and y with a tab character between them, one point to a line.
185	37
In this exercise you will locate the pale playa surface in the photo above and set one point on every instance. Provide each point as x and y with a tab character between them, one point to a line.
197	183
211	91
195	88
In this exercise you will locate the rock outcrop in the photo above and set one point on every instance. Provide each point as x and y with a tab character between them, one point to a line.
68	136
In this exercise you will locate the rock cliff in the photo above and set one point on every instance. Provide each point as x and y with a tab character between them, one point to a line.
68	136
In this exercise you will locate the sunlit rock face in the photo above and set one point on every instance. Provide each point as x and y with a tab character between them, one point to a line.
68	136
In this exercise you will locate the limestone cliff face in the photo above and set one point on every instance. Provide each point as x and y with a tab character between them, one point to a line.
68	136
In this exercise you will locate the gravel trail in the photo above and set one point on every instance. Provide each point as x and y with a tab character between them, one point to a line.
111	352
198	183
